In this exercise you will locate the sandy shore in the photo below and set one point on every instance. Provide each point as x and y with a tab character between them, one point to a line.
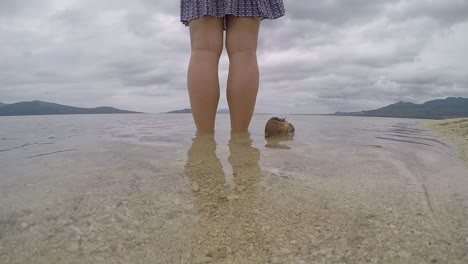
137	189
456	129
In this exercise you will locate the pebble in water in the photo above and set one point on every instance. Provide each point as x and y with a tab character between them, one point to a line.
24	225
195	187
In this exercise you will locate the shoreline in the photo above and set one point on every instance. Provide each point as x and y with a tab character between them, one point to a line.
456	130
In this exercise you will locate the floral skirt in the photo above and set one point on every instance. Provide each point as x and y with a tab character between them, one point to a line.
265	9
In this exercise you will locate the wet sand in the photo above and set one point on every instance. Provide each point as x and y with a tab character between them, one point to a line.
345	190
457	130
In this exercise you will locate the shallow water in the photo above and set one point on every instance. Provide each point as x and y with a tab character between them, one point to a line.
143	189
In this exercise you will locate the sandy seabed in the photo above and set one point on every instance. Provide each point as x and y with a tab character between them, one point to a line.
143	189
457	130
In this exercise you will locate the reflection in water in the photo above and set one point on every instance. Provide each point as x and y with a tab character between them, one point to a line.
205	172
339	196
277	142
227	222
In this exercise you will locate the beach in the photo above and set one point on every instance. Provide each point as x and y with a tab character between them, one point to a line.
145	189
455	129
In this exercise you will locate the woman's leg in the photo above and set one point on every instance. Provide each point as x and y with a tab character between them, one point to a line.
243	79
206	38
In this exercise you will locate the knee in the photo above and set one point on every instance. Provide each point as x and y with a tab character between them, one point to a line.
241	48
209	48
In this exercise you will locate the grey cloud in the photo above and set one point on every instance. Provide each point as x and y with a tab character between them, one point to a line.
335	12
447	11
151	78
11	8
167	7
140	26
360	11
323	56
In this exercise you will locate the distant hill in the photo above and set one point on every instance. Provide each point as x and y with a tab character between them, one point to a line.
183	111
188	111
451	107
46	108
2	104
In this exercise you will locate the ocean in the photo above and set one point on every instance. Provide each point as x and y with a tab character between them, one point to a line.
139	188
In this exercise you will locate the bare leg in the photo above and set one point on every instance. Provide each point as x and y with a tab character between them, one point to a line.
243	79
206	38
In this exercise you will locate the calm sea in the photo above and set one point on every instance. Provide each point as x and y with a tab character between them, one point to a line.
145	189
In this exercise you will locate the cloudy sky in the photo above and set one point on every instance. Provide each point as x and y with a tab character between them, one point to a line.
323	56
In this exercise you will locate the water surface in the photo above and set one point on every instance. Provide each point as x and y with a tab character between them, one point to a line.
144	189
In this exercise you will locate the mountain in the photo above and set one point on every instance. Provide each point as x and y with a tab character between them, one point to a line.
188	111
451	107
2	104
46	108
183	111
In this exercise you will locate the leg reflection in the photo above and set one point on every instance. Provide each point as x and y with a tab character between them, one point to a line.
244	161
245	220
226	226
205	173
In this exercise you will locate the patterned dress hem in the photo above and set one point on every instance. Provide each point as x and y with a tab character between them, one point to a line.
264	9
186	22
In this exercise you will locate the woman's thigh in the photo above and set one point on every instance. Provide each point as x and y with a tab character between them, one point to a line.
206	33
242	33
